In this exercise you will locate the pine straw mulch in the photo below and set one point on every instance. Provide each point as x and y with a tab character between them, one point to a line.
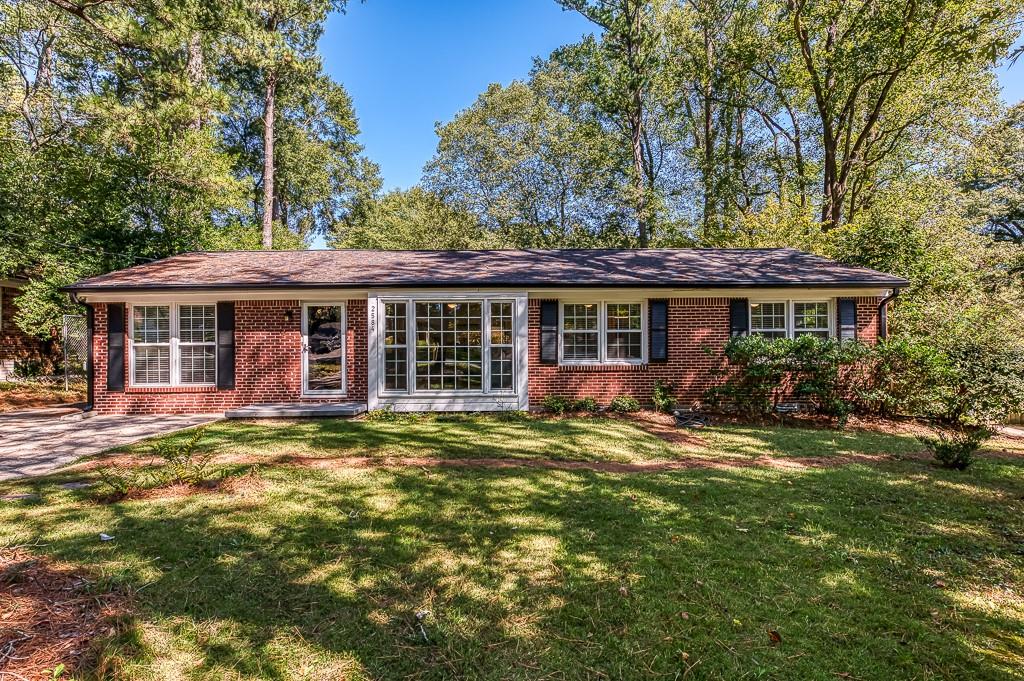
49	616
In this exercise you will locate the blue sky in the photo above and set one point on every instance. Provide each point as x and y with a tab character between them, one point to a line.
411	63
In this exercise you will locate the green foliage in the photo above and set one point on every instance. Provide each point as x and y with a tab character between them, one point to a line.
557	404
955	448
587	404
664	396
752	381
182	462
903	376
825	372
28	368
410	219
117	482
960	380
389	415
624	404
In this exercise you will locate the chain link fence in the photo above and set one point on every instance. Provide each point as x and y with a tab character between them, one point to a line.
75	336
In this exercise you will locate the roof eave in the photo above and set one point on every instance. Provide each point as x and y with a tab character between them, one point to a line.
141	288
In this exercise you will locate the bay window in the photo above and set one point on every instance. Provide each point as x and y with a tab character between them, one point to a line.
603	332
448	346
173	345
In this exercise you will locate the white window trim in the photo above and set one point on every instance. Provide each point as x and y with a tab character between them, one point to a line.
602	334
305	392
790	312
175	346
410	347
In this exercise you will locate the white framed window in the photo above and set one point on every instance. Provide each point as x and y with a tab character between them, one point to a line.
173	344
812	319
791	318
448	346
604	332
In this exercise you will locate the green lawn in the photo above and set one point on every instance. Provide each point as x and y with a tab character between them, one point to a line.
883	567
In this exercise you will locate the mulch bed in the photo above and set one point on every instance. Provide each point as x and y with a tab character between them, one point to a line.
49	616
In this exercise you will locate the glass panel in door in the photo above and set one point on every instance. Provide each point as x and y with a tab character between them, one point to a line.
324	350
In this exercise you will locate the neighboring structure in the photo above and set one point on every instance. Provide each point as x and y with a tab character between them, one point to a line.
451	330
15	344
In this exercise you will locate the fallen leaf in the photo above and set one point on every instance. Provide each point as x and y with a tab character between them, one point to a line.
774	636
685	615
939	584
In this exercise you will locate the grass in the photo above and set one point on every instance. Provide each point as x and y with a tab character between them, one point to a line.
25	395
879	570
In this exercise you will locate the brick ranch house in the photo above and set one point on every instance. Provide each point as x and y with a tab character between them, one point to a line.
450	330
15	344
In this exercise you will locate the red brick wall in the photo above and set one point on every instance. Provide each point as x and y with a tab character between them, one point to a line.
694	324
267	364
15	344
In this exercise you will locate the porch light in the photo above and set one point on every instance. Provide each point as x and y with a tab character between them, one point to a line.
289	315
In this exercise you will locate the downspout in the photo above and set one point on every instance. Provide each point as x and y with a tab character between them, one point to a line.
883	322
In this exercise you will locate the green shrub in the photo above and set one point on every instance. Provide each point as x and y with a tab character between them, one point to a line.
664	396
825	372
624	404
557	404
28	368
384	415
117	482
985	381
955	448
903	377
755	371
182	462
586	404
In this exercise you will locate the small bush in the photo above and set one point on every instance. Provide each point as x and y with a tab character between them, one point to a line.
182	462
27	368
557	404
588	404
754	375
664	396
384	415
624	404
956	448
117	482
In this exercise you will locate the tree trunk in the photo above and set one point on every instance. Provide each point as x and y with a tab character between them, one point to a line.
268	161
639	187
195	71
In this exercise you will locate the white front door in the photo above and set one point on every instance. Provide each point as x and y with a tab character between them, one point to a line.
323	349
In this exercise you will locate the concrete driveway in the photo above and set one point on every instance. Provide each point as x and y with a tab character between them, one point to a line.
38	441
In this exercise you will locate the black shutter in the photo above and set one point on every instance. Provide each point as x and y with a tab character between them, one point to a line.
847	319
659	330
115	347
739	317
226	345
549	332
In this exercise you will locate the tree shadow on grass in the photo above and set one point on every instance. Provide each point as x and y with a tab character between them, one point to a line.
531	573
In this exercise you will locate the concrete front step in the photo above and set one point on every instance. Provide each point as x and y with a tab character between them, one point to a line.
291	410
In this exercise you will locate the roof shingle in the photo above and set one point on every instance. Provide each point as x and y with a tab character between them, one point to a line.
656	268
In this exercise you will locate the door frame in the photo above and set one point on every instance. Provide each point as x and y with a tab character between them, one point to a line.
304	350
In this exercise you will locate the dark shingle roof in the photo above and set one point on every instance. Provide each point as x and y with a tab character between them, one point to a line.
675	268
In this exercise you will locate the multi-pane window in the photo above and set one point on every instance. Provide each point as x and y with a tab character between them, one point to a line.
625	331
457	346
602	332
197	343
502	357
810	319
449	346
768	319
151	344
396	374
790	319
173	344
580	332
